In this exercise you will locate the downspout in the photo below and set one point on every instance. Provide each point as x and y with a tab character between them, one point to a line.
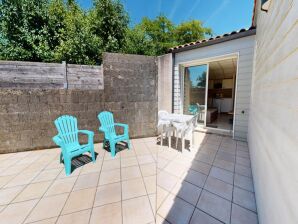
173	75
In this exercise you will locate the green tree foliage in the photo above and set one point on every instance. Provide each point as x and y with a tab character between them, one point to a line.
191	31
78	44
24	30
109	21
156	36
57	30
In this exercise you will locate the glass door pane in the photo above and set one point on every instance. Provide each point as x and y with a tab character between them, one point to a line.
195	91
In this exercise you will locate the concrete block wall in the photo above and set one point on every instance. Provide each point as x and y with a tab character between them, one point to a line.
130	92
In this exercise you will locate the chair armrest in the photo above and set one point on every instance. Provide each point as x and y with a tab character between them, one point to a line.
57	140
121	125
89	133
86	132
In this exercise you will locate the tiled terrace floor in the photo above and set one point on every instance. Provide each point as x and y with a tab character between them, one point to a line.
34	188
207	185
211	184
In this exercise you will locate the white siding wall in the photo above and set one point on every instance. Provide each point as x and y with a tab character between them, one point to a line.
165	86
245	47
273	122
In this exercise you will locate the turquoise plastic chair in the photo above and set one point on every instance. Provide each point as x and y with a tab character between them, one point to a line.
193	109
68	140
108	128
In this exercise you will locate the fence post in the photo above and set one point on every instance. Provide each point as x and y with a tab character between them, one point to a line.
65	74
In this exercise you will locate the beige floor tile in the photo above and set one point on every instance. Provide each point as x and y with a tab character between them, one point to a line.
201	167
243	216
150	184
195	178
145	159
46	221
107	214
245	199
200	217
175	210
148	169
35	167
161	220
187	192
166	180
79	200
74	173
5	179
152	199
108	177
128	153
142	206
222	174
162	162
48	207
243	170
244	182
133	188
131	172
92	167
108	193
219	187
8	194
215	206
60	186
111	164
160	196
21	179
108	156
2	207
224	165
176	169
55	164
33	191
16	213
75	218
129	161
13	170
206	158
47	175
86	181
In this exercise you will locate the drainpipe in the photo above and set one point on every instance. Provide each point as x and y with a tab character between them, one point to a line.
173	69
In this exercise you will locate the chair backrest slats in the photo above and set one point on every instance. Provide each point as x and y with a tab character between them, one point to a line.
67	127
107	121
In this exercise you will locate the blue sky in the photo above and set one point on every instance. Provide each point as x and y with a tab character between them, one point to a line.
221	15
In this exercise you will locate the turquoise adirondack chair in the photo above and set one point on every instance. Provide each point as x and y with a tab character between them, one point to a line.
68	140
108	128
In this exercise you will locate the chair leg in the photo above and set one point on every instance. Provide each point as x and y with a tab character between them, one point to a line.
104	143
92	154
177	139
67	165
61	157
170	140
183	143
113	148
128	144
161	138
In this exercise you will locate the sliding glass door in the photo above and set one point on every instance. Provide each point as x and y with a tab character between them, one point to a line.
195	94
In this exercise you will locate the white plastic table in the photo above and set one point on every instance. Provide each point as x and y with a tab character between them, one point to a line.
180	119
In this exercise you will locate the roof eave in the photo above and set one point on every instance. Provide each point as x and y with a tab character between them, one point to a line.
215	41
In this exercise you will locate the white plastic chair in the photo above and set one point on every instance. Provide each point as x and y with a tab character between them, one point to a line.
165	126
185	130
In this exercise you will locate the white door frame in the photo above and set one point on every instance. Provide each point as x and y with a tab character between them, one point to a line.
207	61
